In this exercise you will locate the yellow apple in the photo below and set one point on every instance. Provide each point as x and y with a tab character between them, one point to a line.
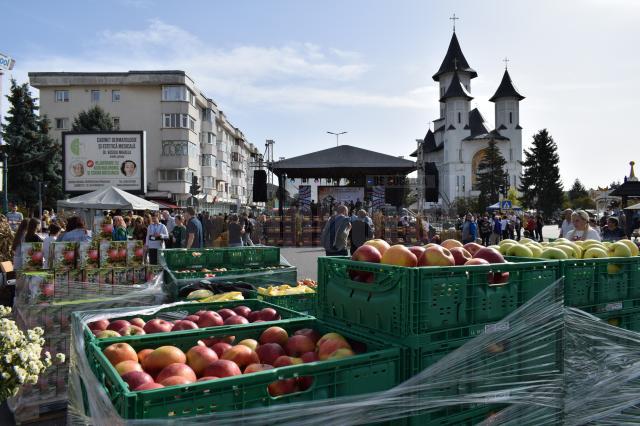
595	253
632	246
535	250
553	253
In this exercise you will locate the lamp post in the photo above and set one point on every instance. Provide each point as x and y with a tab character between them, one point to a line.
337	135
6	63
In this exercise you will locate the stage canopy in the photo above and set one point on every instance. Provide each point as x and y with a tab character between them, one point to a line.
343	161
108	198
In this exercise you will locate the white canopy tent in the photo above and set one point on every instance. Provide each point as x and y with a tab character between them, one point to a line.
633	207
108	198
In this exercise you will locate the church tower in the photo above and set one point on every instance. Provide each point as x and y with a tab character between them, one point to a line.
507	116
454	77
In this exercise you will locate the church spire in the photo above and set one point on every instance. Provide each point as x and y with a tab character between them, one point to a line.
454	60
506	89
456	89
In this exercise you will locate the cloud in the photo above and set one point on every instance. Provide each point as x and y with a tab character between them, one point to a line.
295	75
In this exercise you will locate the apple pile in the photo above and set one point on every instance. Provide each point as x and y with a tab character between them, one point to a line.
565	249
202	319
212	359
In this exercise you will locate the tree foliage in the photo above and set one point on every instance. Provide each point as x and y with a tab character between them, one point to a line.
491	175
540	184
464	205
94	120
577	191
33	156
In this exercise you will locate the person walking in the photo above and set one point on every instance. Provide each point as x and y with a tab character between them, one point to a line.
518	222
179	233
248	229
469	229
235	231
195	237
496	233
14	217
336	232
361	230
157	234
485	228
16	247
539	227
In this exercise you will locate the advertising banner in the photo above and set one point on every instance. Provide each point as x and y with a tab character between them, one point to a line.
304	197
329	196
93	161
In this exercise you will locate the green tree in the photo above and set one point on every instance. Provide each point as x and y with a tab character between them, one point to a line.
577	191
94	120
540	184
491	175
33	156
464	205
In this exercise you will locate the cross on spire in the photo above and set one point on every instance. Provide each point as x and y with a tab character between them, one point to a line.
454	18
506	63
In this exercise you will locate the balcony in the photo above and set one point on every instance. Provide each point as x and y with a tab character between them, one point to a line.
208	148
237	165
237	181
208	171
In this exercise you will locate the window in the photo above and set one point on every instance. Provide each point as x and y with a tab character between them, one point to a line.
95	96
175	175
192	98
463	183
210	138
62	123
116	123
62	96
457	183
115	96
510	118
208	160
460	155
459	117
176	120
192	123
175	93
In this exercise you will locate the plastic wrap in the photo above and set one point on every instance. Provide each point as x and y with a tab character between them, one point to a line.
517	361
38	305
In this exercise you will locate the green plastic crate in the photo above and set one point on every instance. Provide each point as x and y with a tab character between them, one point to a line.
303	303
628	319
602	285
171	284
376	370
227	257
405	303
190	308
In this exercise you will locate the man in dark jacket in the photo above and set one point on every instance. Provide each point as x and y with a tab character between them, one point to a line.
335	233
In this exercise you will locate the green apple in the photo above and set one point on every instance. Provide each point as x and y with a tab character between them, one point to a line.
535	250
619	249
519	251
504	248
496	247
553	253
526	241
632	246
507	241
571	253
595	253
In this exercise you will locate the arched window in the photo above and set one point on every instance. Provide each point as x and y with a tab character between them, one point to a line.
510	118
475	162
459	117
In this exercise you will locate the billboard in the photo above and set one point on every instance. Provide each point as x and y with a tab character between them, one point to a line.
94	160
329	196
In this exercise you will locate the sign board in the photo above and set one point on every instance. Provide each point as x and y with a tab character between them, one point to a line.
6	63
506	205
94	160
329	196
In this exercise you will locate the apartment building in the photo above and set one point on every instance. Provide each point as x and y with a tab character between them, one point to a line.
187	134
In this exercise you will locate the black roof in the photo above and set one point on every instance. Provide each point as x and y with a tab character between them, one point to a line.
454	60
342	162
456	90
428	144
477	123
629	188
506	89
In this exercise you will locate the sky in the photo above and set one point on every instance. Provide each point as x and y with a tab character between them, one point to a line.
292	70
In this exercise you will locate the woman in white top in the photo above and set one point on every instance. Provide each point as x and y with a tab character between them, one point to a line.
582	231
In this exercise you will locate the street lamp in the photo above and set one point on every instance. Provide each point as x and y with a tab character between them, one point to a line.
337	135
6	64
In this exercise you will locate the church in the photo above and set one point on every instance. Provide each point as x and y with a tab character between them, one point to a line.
448	157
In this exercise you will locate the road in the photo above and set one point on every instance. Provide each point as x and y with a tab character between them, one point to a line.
306	258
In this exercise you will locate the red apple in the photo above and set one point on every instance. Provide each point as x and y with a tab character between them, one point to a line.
285	360
122	253
437	256
329	336
138	252
476	261
118	352
269	352
254	316
69	256
143	354
282	387
148	386
161	357
254	368
299	344
341	353
222	368
310	333
489	254
309	357
198	357
399	255
304	382
184	325
135	379
194	318
112	254
472	248
138	322
93	254
210	319
99	325
176	380
250	343
243	311
495	278
367	253
328	347
451	243
269	314
381	245
220	348
176	369
241	355
157	326
132	330
225	313
417	250
207	378
106	334
37	257
127	366
274	335
236	319
118	325
460	255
